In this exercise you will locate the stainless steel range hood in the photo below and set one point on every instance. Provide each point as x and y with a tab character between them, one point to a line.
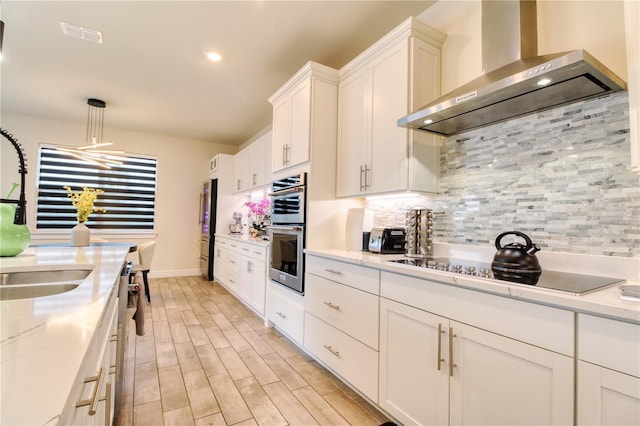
526	84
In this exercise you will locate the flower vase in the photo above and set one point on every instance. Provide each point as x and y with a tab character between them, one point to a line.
14	239
80	235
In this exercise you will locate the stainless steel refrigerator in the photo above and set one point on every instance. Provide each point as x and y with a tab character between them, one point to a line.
208	210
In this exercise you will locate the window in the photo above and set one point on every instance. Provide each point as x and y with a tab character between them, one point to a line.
129	192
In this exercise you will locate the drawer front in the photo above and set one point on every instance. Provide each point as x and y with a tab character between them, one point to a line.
353	311
232	271
365	279
285	313
234	246
347	357
254	251
539	325
609	343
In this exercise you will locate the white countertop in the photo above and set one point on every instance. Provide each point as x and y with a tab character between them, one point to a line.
605	302
43	340
244	239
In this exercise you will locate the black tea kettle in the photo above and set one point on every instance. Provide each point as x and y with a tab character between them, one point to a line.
516	262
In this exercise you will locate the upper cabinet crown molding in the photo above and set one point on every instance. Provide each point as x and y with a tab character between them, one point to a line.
310	69
409	27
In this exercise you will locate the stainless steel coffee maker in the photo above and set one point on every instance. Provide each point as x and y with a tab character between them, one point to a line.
419	223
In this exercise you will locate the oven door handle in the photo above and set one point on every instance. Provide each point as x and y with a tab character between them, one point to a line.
286	191
284	228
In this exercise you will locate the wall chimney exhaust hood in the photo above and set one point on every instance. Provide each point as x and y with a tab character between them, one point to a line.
527	83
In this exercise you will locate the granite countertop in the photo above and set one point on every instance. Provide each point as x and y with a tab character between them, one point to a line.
43	340
605	302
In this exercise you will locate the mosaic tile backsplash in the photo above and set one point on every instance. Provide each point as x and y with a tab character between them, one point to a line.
560	176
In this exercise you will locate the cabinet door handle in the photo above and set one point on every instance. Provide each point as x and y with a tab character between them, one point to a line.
92	402
255	179
333	351
451	363
284	154
238	184
107	411
361	179
281	315
332	306
440	333
333	271
366	176
287	155
117	338
249	266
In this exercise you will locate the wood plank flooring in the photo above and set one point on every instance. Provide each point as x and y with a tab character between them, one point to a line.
206	359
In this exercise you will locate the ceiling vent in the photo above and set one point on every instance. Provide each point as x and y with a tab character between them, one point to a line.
76	31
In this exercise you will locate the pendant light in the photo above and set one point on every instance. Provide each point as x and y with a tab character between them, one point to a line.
90	152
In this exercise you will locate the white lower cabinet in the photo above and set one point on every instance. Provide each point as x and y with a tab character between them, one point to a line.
241	268
414	378
354	361
94	394
285	310
608	372
437	371
341	320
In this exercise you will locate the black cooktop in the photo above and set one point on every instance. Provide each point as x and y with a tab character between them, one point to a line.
564	282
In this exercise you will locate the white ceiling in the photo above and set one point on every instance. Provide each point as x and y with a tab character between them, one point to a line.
151	69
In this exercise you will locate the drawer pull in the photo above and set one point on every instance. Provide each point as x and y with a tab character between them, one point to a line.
93	401
333	271
332	306
281	315
333	351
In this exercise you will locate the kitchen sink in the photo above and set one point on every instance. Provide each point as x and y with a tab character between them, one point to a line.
26	284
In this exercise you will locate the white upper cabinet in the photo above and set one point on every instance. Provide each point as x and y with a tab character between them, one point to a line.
296	106
253	165
398	74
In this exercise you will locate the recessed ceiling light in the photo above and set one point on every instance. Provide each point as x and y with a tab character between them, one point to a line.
543	82
428	121
214	56
82	33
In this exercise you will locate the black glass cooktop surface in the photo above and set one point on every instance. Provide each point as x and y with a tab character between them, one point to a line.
576	284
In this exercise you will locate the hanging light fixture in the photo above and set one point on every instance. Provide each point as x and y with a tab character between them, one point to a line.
95	130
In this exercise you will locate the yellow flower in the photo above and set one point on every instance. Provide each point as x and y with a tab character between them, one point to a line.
83	202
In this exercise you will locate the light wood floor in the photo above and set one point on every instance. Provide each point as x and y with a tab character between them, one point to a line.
208	360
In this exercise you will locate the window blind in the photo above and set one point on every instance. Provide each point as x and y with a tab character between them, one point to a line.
129	192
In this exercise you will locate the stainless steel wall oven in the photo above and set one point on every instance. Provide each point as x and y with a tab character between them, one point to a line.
287	231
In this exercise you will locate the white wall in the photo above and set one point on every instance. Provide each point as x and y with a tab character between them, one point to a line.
562	25
182	167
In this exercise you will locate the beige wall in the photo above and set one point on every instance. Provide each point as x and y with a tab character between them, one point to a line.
182	167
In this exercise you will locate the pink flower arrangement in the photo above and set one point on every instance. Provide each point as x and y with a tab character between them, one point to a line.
260	208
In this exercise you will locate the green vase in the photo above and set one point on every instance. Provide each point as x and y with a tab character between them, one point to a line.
14	239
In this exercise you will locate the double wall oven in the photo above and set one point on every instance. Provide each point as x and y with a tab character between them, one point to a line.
287	231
